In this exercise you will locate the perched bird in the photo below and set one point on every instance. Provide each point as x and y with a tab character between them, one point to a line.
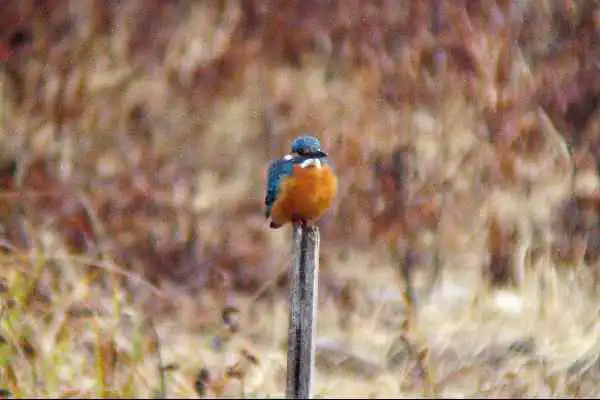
301	186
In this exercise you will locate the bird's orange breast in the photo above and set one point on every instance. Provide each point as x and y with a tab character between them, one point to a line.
306	194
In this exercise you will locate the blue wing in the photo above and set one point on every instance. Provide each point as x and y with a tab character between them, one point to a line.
277	171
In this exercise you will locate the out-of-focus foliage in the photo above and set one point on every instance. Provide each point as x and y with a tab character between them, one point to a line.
140	131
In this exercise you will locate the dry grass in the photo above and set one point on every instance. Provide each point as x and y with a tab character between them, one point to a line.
67	337
134	257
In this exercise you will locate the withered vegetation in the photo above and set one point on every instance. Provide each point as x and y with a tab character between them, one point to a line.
461	256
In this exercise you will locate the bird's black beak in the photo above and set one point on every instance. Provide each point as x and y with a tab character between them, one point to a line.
320	153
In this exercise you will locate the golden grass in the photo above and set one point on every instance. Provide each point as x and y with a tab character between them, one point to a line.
66	335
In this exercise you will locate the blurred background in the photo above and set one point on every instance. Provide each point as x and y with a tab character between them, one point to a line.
460	258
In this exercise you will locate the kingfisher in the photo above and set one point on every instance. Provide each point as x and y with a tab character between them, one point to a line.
301	186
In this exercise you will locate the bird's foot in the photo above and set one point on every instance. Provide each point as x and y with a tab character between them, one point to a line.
299	221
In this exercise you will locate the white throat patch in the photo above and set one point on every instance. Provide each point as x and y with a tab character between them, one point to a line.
311	162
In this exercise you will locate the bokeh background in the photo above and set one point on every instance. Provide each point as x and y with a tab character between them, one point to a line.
460	258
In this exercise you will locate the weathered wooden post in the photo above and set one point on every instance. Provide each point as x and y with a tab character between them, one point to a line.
303	284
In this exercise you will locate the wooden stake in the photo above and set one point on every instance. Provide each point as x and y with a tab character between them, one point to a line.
304	283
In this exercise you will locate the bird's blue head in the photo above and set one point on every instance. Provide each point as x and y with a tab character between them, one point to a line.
308	146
